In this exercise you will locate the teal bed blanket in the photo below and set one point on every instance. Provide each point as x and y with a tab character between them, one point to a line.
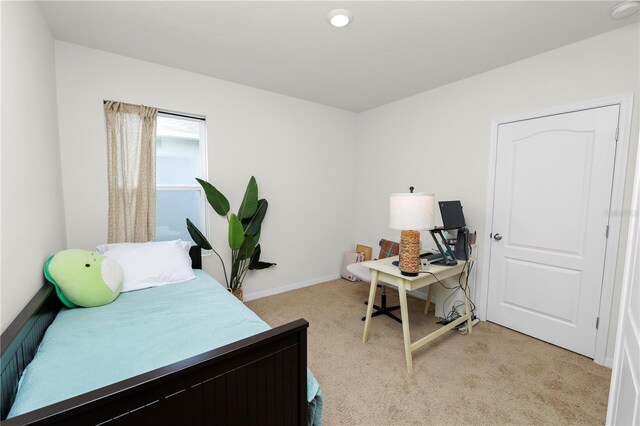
88	348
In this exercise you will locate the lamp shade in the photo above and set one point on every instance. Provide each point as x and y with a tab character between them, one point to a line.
411	211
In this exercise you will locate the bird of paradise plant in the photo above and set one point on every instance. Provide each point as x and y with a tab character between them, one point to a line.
243	236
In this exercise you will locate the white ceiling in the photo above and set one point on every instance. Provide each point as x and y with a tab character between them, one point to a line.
391	50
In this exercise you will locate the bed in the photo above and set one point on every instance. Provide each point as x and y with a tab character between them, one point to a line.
243	373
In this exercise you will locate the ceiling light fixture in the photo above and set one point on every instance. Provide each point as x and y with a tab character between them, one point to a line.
624	9
340	18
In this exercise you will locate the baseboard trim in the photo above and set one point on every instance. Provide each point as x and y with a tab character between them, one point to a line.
608	362
283	289
273	291
422	295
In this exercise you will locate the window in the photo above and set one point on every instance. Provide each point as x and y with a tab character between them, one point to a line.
180	158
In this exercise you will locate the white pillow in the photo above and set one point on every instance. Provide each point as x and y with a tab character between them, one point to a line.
150	264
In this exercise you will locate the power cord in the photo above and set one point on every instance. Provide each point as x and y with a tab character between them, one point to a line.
454	314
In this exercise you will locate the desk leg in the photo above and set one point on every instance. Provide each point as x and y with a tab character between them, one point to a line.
405	326
467	305
372	297
429	297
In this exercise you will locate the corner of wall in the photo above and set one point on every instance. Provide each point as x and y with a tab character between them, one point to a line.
32	223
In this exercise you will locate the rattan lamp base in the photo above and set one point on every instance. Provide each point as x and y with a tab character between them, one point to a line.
410	253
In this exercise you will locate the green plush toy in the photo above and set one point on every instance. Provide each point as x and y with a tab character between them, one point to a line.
84	278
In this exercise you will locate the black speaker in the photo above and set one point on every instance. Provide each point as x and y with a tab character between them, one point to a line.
461	251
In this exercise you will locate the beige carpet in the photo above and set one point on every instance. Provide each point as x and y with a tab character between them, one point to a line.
493	376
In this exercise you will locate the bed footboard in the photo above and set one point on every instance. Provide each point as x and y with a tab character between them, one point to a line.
258	380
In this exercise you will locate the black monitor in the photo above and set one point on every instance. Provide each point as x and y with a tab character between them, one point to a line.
452	216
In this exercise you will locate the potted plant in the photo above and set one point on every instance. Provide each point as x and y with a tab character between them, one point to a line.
244	233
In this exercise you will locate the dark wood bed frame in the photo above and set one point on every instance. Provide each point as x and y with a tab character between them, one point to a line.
258	380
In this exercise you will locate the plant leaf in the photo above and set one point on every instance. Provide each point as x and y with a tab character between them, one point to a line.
255	258
236	233
250	200
218	202
264	265
247	249
197	236
256	220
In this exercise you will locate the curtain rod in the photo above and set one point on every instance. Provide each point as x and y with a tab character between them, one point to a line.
175	114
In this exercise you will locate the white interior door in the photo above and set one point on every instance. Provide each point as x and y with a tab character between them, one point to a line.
552	195
624	397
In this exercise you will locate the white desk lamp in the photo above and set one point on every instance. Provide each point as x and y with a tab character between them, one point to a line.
410	213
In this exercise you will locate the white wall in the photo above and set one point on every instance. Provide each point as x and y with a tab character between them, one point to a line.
438	141
300	152
32	219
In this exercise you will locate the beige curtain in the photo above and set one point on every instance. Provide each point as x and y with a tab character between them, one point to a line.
131	147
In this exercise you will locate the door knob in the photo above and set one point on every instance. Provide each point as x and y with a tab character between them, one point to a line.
497	237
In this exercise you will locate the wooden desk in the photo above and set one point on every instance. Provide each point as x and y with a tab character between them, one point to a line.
383	270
